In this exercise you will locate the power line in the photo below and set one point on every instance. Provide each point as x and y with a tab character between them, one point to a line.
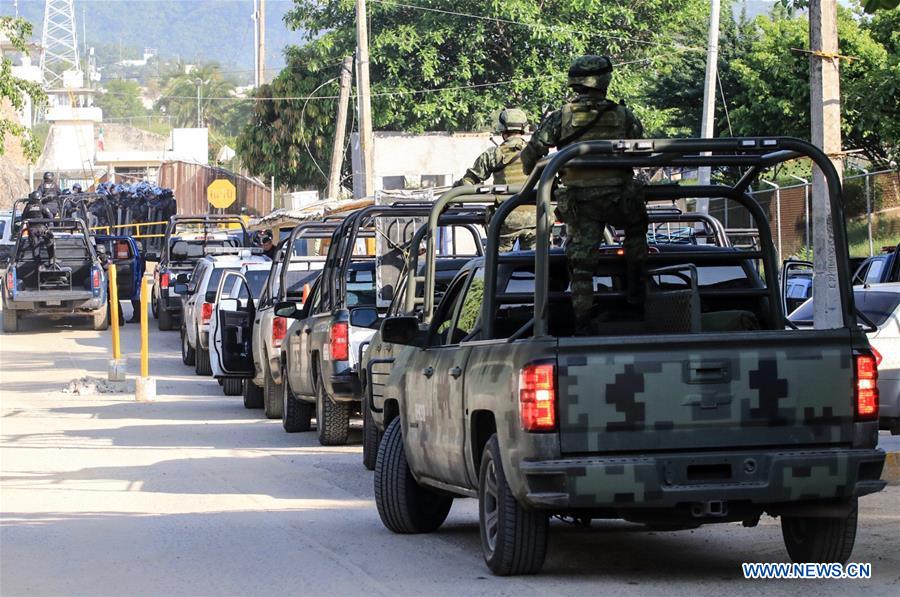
506	21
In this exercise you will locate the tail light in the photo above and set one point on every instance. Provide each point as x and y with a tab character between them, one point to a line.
164	281
279	330
340	341
122	251
95	278
537	397
866	387
11	281
206	312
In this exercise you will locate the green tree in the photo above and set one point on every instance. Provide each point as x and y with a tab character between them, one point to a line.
122	99
450	65
15	90
179	96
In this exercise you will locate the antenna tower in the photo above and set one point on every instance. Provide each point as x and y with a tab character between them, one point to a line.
59	42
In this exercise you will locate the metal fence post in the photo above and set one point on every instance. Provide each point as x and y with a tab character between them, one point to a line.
868	210
805	212
777	212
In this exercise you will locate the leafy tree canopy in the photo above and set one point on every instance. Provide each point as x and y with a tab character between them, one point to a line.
122	99
16	91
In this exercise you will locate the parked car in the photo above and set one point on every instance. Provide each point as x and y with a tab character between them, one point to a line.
881	306
199	295
248	286
879	269
188	239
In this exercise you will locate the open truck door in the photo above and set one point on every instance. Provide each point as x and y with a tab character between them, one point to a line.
124	252
796	284
231	329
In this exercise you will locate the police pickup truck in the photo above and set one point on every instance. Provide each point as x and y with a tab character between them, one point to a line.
54	271
186	242
706	406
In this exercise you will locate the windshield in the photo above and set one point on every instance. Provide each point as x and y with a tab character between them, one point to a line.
877	306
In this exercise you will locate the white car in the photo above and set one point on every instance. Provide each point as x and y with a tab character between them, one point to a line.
198	300
880	303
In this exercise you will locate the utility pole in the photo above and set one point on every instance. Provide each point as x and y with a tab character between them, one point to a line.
365	102
199	117
261	51
708	120
337	153
255	18
825	115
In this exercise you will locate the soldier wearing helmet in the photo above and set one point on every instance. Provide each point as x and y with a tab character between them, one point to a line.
592	198
504	163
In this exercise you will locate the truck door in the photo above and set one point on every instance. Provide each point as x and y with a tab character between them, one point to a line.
436	374
232	343
300	340
121	251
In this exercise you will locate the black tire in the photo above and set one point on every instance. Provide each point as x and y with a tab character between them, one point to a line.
513	539
296	413
154	307
100	318
403	505
371	434
165	321
10	321
188	354
820	540
332	418
271	397
253	395
201	362
233	386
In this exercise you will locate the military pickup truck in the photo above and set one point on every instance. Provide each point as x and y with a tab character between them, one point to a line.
708	406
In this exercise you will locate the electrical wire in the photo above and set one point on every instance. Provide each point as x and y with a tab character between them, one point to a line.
724	103
303	136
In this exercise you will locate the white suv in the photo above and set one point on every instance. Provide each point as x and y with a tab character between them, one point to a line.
198	300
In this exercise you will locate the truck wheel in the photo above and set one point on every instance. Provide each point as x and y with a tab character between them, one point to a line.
10	321
201	362
820	540
164	322
332	418
403	505
296	413
371	435
188	355
271	397
233	386
154	307
101	318
253	395
513	539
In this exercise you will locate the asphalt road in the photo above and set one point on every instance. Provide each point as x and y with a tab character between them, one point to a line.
194	495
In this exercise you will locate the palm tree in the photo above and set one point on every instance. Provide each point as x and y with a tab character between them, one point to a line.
179	97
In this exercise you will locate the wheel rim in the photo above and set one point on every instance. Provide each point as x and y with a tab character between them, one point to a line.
489	507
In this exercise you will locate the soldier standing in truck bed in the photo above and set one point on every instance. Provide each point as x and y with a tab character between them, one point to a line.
592	198
504	163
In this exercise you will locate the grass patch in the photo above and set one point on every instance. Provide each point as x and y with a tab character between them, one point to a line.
885	232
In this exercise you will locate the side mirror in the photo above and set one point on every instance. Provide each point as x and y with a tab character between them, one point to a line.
287	309
181	289
182	279
150	256
210	296
228	305
364	317
402	330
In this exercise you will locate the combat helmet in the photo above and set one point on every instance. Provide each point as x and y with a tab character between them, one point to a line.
594	72
512	120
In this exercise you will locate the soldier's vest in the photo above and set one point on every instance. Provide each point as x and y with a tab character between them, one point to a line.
509	169
592	120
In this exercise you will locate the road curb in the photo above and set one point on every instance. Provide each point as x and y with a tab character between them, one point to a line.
891	471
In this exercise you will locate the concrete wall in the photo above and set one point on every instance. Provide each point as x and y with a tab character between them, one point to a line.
442	156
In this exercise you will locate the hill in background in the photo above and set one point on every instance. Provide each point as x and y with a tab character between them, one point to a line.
192	30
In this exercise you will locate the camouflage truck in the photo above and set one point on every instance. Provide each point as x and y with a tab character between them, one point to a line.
708	406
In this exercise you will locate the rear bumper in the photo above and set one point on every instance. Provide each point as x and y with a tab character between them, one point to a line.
55	303
172	304
667	480
344	387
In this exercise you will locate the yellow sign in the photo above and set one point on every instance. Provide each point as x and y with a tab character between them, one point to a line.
221	193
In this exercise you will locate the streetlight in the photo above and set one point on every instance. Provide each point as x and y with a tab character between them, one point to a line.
199	83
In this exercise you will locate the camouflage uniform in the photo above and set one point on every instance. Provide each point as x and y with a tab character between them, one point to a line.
504	163
591	199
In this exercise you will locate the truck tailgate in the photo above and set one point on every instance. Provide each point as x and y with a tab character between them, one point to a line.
719	391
